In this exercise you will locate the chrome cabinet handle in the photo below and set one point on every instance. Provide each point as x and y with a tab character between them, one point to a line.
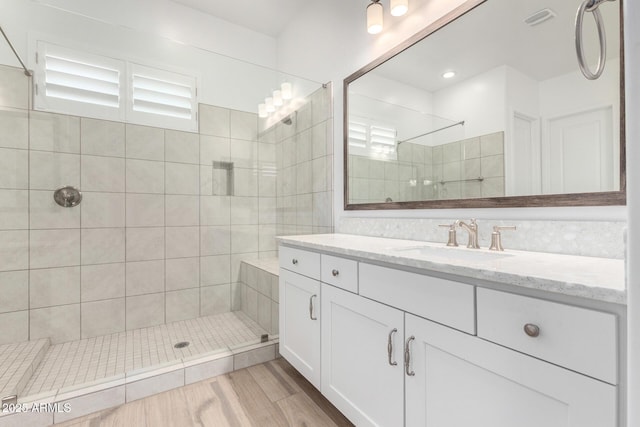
390	348
335	273
532	330
294	261
407	356
311	307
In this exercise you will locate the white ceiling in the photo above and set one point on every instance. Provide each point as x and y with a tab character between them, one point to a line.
494	34
264	16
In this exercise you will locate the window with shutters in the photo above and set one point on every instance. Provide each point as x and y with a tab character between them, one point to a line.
89	85
372	140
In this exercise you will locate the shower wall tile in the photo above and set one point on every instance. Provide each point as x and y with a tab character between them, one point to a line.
145	210
144	143
182	273
243	125
54	248
14	88
182	147
182	179
59	323
182	242
14	250
244	210
14	209
14	327
54	286
102	138
14	286
145	310
102	317
182	305
182	210
215	240
215	270
102	174
146	277
15	128
49	171
245	182
215	299
243	238
244	154
103	245
144	244
215	210
145	176
45	213
102	210
99	282
14	168
214	149
54	132
214	120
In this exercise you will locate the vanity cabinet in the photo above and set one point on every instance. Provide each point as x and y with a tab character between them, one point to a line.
461	380
362	358
397	348
299	323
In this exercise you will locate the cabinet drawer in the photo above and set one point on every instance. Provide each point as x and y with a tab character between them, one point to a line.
577	338
301	261
444	301
339	272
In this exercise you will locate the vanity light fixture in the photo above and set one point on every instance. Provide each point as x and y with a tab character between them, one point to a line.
262	111
448	74
277	98
269	102
287	90
399	7
374	17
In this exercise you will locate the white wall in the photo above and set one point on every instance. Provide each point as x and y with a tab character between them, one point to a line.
157	33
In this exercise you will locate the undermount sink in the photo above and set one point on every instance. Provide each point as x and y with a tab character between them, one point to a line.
452	254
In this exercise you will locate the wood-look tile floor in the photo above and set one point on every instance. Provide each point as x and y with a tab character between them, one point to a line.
269	394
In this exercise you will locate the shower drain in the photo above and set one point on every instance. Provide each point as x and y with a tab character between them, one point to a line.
182	344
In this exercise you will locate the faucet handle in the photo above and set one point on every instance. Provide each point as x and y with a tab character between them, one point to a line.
496	237
452	233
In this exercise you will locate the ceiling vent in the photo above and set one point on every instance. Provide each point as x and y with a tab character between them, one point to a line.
540	16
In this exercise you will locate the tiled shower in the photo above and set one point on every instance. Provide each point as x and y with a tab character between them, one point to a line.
166	219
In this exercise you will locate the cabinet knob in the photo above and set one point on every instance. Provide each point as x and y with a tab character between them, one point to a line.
335	273
532	330
294	261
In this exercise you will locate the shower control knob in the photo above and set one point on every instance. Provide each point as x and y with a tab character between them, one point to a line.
335	273
532	330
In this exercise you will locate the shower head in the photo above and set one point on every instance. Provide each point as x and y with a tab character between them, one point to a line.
287	120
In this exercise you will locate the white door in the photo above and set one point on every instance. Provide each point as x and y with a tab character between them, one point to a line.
578	153
300	324
362	358
523	157
462	381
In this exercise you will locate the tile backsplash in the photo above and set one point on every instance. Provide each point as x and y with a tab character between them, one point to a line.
586	238
151	242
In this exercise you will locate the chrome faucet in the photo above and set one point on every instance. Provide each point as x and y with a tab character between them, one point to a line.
472	229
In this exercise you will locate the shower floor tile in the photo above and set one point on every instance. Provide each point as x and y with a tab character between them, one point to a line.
17	363
92	359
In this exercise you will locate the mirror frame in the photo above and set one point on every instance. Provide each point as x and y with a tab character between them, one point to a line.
605	198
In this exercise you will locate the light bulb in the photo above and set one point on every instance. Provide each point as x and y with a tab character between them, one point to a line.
269	103
262	111
287	90
374	17
277	98
399	7
449	74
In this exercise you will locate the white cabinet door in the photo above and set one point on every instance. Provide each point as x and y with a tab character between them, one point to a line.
300	324
362	358
461	380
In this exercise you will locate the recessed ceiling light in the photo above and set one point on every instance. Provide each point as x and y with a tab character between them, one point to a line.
449	74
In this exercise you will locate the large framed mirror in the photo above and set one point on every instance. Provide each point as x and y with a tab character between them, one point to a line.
487	107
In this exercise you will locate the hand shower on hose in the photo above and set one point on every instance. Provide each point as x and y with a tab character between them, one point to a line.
591	6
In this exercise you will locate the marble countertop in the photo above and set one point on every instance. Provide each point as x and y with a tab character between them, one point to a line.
601	279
